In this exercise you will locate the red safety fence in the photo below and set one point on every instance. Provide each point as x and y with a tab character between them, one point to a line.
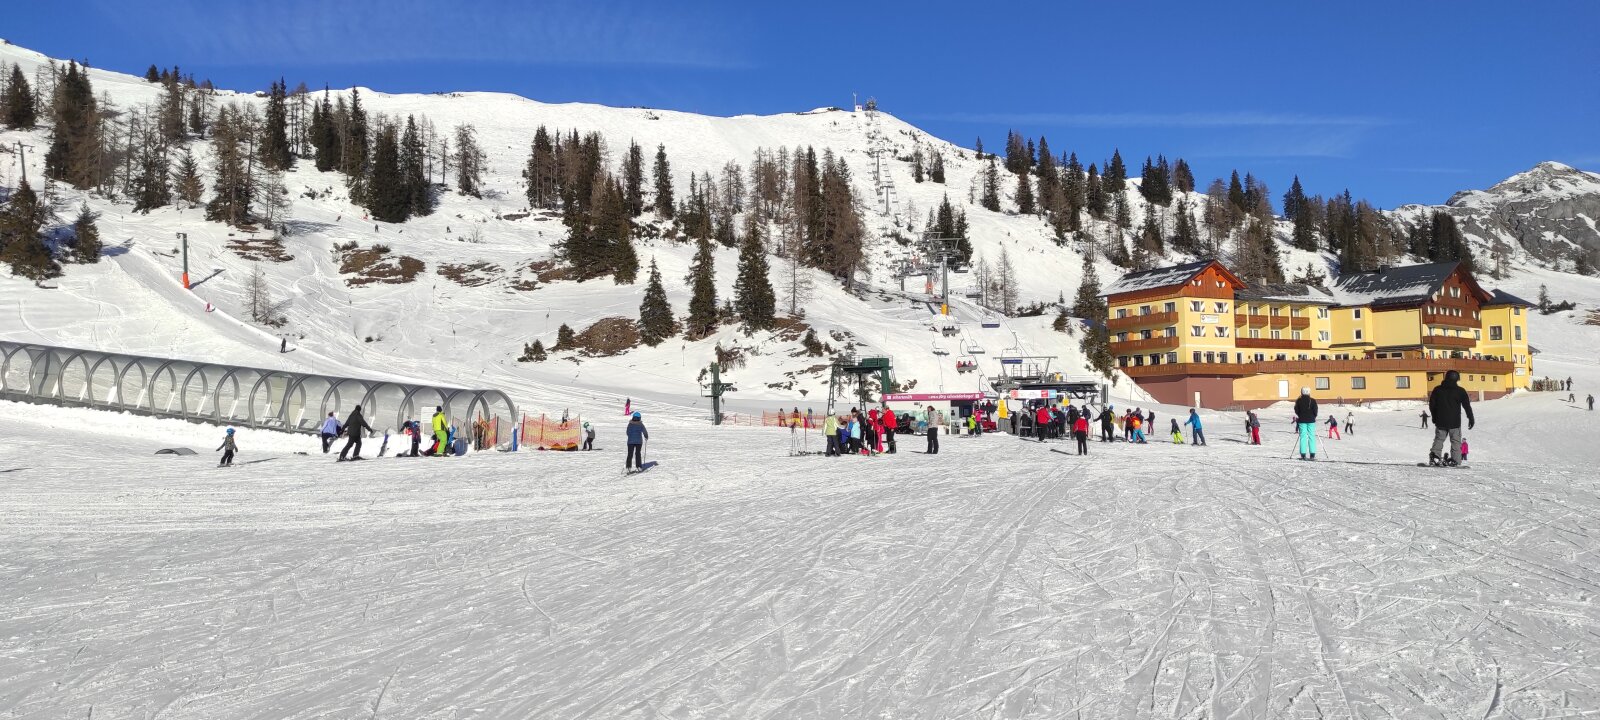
546	433
485	432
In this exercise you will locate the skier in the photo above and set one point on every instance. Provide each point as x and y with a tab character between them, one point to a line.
1591	402
1333	428
1177	433
354	426
1254	423
637	434
1080	432
330	430
933	431
1463	448
1305	419
283	345
1424	419
1349	423
830	431
228	448
1136	421
1447	403
416	437
441	431
794	420
1150	422
588	436
889	426
1105	424
1199	433
1041	420
627	406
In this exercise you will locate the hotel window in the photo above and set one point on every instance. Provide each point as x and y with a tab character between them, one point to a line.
1222	357
1144	309
1197	331
1211	357
1222	307
1122	337
1222	331
1255	333
1358	334
1122	312
1358	383
1402	382
1155	359
1477	334
1322	313
1277	335
1138	361
1297	334
1170	332
1304	356
1516	311
1275	311
1170	307
1517	332
1261	357
1323	383
1197	356
1146	334
1322	335
1496	333
1281	357
1358	313
1197	305
1172	357
1122	361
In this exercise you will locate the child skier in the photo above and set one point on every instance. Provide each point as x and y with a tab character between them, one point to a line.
228	448
1463	448
1333	428
1177	433
636	437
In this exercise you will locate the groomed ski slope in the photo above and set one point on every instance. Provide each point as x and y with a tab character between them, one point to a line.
996	579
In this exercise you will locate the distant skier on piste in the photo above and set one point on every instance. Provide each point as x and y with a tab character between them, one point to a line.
354	427
1305	419
1448	402
637	434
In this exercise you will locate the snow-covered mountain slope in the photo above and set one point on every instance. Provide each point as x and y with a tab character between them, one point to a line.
1550	212
470	330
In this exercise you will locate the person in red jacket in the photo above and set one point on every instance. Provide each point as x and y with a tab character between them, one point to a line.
1041	419
1080	432
889	426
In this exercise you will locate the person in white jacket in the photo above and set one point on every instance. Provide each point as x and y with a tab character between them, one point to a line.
330	430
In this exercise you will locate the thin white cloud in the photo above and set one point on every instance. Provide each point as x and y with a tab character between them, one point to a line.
560	32
1161	120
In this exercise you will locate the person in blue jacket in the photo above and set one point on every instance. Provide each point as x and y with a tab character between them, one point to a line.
636	437
1199	434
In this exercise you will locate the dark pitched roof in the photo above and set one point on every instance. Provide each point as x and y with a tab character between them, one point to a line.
1501	297
1401	285
1158	278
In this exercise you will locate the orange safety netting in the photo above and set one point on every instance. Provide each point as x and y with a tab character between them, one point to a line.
787	419
546	433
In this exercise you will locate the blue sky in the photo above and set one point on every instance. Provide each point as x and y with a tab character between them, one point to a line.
1398	101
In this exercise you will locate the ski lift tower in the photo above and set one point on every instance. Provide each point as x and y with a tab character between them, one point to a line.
845	371
943	249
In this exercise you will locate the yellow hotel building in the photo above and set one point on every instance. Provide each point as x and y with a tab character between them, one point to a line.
1194	334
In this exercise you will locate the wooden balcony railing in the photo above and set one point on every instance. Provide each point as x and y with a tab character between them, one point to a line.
1128	347
1464	321
1272	344
1279	321
1239	319
1258	321
1307	367
1142	321
1450	341
1299	323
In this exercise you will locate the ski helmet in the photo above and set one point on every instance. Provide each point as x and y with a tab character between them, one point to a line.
636	415
1305	391
230	431
1452	376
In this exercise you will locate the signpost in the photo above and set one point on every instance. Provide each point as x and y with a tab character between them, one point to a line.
185	238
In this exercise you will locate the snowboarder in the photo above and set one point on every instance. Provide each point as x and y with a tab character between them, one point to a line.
1333	428
1305	419
1080	432
330	430
228	448
588	436
1177	433
1199	432
441	431
637	434
1254	423
354	427
1349	423
1424	419
1447	402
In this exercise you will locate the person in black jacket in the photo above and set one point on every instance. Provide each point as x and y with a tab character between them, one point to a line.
1447	402
354	427
1106	418
1305	420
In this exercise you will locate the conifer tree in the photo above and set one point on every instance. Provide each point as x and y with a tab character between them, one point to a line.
702	318
1150	236
418	192
1096	200
540	171
86	235
753	298
656	322
1304	236
171	117
565	338
1088	304
916	165
325	135
534	352
1116	174
233	191
663	177
73	156
274	146
1074	186
936	169
186	180
151	186
1236	196
991	187
354	149
1049	176
1182	177
633	179
1124	215
22	243
152	75
1025	204
469	161
17	109
386	195
1445	241
1293	199
1185	235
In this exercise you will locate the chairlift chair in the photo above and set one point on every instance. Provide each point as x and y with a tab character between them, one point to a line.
966	364
939	349
972	348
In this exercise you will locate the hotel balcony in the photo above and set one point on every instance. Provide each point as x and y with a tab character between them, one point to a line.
1272	344
1299	323
1429	318
1163	319
1450	341
1135	347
